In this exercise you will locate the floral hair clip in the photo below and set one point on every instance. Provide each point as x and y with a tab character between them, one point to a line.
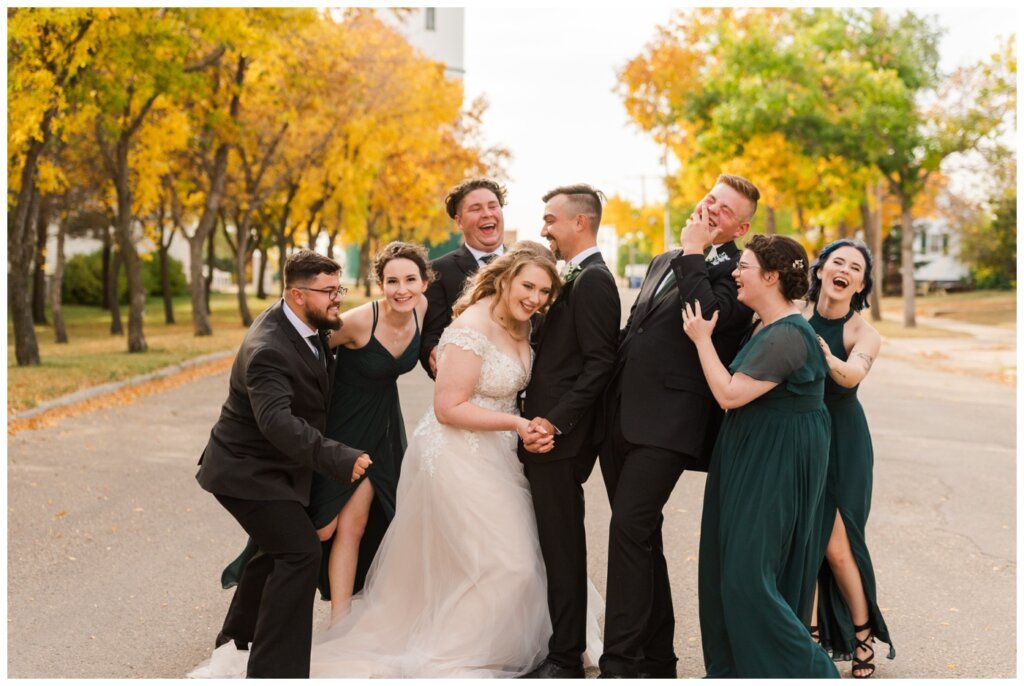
798	264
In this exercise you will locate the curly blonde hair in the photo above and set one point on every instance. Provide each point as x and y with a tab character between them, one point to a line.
495	278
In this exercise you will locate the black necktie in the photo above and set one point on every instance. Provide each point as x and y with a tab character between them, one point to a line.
318	348
487	259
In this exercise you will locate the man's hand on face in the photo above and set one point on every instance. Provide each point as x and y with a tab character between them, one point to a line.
698	233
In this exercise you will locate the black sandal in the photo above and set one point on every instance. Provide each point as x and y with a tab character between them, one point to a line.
814	633
868	663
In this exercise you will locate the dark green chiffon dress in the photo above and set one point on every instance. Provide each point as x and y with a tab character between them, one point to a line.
848	492
365	413
761	519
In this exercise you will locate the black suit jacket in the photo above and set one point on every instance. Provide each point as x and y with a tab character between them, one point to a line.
270	434
664	398
575	347
453	270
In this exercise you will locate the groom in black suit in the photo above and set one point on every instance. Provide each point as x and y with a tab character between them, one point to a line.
661	419
475	205
260	460
575	347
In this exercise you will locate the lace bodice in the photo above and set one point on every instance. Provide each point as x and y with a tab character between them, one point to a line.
501	376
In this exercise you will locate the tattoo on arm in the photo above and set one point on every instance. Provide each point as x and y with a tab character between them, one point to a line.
866	360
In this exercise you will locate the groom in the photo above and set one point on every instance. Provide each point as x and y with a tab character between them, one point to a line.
260	459
575	348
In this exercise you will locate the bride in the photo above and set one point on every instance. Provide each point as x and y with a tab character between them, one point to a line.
458	586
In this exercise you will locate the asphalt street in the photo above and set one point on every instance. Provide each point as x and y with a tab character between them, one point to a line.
115	553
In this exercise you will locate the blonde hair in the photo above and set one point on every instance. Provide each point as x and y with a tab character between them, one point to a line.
495	278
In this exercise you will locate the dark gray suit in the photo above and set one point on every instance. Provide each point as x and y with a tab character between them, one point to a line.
453	270
259	464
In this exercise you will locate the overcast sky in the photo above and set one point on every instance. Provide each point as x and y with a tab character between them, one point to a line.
549	76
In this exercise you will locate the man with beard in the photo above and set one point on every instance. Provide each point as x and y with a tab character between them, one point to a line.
260	459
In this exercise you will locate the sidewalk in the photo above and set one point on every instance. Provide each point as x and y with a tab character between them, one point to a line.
986	351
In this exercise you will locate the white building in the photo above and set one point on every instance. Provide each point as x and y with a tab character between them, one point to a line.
437	32
936	255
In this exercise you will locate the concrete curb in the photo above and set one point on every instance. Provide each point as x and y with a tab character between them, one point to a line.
104	389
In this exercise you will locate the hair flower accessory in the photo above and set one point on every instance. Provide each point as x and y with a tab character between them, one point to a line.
798	264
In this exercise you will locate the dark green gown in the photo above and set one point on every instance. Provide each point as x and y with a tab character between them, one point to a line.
365	413
761	520
847	491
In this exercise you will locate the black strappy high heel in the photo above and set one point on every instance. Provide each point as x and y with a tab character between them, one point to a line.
867	664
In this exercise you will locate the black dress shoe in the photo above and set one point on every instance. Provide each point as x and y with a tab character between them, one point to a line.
223	638
552	670
657	673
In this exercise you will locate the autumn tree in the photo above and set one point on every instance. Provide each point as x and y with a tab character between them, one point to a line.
47	52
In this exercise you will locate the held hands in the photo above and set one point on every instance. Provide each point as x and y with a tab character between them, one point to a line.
694	324
363	463
698	233
538	435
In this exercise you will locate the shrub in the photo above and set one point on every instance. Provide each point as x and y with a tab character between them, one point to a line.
83	279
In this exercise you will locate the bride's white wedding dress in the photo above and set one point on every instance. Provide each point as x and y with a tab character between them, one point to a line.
458	587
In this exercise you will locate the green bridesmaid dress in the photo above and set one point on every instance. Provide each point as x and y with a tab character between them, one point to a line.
762	504
848	492
365	413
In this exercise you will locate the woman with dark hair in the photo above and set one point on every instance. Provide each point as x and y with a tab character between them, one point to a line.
847	609
377	342
763	492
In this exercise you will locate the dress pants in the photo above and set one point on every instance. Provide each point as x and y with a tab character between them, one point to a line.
639	624
557	491
273	604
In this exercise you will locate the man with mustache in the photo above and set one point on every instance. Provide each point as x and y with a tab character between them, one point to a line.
260	459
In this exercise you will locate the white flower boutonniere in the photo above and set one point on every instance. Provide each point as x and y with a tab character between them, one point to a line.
570	272
716	259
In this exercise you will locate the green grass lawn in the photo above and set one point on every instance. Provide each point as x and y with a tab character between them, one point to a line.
991	308
94	357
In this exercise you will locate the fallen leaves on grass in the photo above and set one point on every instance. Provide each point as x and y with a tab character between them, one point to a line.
122	396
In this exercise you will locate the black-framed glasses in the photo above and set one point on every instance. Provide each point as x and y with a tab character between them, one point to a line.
332	293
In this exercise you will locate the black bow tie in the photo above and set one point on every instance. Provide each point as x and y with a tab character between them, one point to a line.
487	259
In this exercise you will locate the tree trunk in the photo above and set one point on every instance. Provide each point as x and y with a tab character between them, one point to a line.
20	249
108	256
261	289
126	247
363	274
769	220
116	328
907	262
282	257
211	255
39	277
241	253
875	297
60	334
165	283
842	229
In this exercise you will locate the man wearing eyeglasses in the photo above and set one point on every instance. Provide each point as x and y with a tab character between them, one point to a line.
260	459
660	418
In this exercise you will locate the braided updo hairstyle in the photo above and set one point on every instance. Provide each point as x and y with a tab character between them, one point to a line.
786	257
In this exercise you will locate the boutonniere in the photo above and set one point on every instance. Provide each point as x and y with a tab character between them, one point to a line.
570	272
716	259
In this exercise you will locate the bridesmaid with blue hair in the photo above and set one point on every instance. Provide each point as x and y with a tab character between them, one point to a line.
848	616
